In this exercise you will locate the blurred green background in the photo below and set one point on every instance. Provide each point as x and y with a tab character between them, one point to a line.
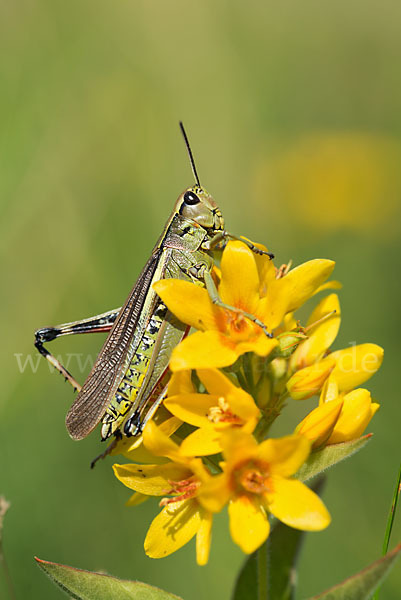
293	111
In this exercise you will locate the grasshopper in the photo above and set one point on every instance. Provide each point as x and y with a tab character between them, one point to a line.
130	375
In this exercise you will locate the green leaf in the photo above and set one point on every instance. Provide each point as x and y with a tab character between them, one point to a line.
362	585
246	584
85	585
330	455
285	544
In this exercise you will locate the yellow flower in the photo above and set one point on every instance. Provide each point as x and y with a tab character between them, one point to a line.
182	517
355	365
309	381
356	413
318	425
133	447
256	480
225	406
248	283
321	331
358	409
356	172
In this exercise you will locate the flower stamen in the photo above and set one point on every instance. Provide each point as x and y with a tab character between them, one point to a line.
222	413
184	489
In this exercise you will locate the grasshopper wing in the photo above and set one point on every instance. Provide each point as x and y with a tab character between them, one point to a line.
110	365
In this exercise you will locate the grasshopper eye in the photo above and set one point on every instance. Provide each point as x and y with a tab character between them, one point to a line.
190	198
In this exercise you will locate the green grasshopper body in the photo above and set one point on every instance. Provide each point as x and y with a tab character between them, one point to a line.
129	377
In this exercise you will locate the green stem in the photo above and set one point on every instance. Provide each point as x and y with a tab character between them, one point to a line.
248	372
215	467
270	414
390	520
391	516
263	587
241	380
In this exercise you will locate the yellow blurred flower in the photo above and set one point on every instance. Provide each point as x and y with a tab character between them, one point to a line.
247	283
182	517
225	406
355	173
256	480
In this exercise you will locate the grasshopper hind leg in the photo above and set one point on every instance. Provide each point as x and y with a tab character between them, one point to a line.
97	324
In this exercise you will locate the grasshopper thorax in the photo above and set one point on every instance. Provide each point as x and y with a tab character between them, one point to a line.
197	204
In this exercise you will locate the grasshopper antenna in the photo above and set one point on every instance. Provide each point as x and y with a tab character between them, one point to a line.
191	158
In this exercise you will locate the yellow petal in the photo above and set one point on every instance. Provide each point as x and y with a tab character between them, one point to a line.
201	442
288	293
239	284
289	322
249	525
238	446
152	480
142	455
159	443
203	350
305	279
240	403
215	493
284	455
216	382
296	505
181	383
173	527
243	405
266	269
136	499
309	381
192	408
190	303
356	414
329	285
321	336
260	345
318	425
204	537
329	391
356	364
170	426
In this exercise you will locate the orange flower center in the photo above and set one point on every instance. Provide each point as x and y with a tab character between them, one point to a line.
238	327
182	490
222	413
254	478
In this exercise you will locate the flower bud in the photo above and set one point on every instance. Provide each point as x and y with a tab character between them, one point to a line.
358	410
288	342
318	425
278	368
309	381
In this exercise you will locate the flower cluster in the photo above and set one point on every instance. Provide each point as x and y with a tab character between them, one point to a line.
208	446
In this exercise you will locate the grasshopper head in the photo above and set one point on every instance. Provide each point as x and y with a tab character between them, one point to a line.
197	204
